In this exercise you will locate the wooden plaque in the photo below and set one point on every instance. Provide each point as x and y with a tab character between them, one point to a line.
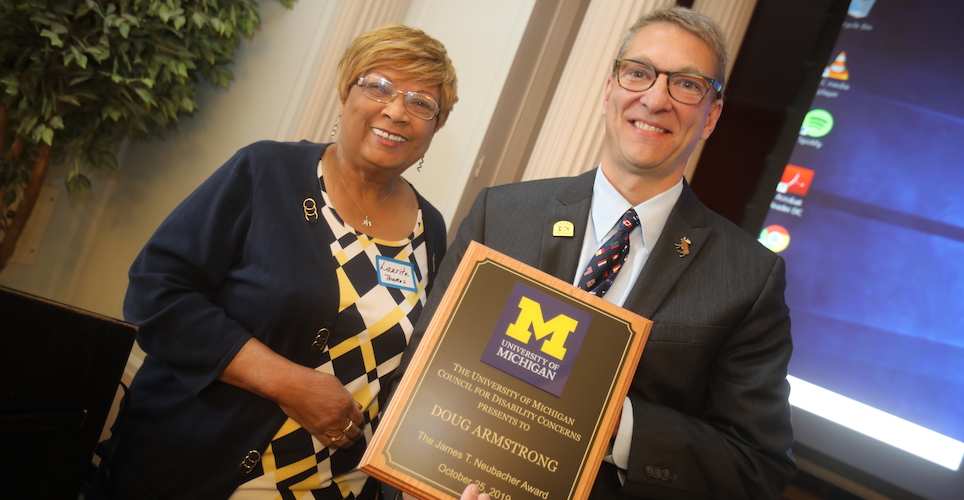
517	385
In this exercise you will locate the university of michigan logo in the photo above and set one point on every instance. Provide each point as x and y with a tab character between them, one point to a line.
537	339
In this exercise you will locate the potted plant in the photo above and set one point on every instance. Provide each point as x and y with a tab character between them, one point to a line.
77	76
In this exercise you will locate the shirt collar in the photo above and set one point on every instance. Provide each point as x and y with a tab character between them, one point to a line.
608	206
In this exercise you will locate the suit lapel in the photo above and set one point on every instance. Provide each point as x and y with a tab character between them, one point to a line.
665	265
560	254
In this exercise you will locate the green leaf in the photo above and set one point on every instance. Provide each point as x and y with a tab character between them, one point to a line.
99	53
199	19
27	125
69	99
145	95
103	157
58	28
78	183
125	30
207	55
12	84
54	38
187	104
82	9
78	56
48	136
78	80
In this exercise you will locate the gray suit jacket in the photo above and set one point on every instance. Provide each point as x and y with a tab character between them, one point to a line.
711	417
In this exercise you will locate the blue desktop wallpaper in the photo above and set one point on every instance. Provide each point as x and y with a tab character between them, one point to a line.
875	259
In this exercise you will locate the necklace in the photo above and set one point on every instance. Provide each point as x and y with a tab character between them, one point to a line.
367	222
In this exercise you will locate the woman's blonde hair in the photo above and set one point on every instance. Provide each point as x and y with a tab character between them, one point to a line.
407	50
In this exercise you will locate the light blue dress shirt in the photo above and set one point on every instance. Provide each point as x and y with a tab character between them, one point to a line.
607	208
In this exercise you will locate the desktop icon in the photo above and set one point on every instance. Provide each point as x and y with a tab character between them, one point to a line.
775	237
817	123
838	68
860	8
795	180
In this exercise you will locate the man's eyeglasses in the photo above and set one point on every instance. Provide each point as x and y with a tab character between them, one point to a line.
382	90
687	88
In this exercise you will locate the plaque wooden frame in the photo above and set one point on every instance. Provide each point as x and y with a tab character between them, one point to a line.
478	405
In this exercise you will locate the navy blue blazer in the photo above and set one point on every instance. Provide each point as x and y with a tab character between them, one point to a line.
238	258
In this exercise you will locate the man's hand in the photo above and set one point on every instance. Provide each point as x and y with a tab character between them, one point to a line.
471	492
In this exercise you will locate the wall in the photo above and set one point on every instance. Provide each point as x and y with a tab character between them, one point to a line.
482	45
91	241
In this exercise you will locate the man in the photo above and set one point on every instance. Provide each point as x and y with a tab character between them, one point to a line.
707	414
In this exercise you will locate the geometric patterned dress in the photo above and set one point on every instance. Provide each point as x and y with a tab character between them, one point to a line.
375	321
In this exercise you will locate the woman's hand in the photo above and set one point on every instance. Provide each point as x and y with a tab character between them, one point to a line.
323	407
317	401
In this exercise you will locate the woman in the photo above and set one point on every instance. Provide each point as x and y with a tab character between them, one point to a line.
276	297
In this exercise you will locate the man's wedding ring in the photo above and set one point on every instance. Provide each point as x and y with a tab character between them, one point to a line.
351	423
336	439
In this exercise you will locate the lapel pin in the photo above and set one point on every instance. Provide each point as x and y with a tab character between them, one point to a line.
683	247
563	228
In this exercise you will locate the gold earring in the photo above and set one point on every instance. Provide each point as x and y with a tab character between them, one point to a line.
334	130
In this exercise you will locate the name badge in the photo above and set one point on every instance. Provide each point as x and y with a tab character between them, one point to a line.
396	274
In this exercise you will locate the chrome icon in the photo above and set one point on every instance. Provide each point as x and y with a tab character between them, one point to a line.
775	237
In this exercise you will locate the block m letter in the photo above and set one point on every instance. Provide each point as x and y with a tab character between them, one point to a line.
557	329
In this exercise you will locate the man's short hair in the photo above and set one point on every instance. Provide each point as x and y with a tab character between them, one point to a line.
690	21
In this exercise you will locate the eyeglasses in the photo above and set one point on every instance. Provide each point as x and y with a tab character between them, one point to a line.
382	90
687	88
